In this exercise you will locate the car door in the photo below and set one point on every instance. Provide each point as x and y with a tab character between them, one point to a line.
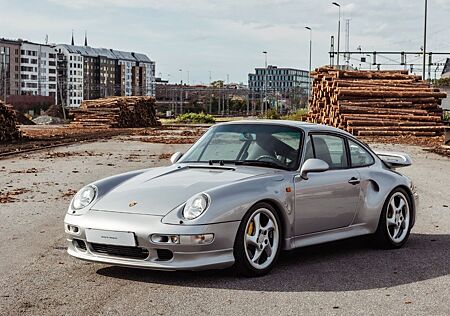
326	200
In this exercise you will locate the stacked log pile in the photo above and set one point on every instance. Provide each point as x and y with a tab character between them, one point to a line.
116	112
9	130
375	103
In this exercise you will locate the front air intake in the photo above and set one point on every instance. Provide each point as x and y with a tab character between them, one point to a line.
164	254
121	251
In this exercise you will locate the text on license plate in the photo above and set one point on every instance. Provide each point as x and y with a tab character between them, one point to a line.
110	237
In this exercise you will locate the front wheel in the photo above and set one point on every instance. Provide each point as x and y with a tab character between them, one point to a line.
258	241
395	221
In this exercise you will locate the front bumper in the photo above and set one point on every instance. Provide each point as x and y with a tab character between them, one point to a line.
218	254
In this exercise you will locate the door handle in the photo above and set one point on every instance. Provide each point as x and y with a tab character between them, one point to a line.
354	181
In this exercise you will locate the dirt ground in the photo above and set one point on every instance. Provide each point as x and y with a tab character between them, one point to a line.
37	277
37	137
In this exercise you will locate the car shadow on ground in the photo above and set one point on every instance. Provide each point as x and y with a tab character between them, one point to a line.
339	266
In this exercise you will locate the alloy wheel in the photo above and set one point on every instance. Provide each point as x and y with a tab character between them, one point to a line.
398	217
261	238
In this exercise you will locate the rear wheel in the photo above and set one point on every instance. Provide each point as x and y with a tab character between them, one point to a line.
395	221
258	241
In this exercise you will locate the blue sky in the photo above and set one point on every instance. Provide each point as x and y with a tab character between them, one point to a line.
227	36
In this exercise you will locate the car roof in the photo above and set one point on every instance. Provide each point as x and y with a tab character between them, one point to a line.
307	127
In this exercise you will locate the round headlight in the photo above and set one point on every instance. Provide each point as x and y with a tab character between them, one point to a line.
195	206
84	197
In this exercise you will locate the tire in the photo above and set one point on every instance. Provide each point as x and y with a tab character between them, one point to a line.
257	246
389	234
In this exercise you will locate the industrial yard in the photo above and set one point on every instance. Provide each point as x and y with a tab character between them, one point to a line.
90	90
348	277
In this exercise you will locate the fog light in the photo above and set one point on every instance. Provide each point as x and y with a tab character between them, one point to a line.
165	239
72	229
203	239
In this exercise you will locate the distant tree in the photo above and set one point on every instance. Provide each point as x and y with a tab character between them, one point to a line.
217	84
441	82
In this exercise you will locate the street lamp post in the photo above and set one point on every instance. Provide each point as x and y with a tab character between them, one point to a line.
181	90
310	58
424	40
339	31
263	106
4	75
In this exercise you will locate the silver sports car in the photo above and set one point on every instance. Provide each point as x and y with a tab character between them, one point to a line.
242	193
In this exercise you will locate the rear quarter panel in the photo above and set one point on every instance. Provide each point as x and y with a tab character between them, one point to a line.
377	182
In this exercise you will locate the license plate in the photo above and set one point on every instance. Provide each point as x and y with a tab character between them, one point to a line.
110	237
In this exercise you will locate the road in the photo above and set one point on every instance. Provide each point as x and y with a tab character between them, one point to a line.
37	277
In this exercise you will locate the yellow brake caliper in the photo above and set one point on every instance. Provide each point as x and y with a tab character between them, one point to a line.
250	229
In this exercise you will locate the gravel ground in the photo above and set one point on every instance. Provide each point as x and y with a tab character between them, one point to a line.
37	277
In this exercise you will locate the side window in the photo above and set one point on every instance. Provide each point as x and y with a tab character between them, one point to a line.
330	149
359	156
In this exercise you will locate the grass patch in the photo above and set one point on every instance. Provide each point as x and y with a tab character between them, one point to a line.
300	115
196	118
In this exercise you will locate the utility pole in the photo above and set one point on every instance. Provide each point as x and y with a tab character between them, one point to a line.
210	94
424	40
339	31
39	70
310	57
347	42
332	51
226	95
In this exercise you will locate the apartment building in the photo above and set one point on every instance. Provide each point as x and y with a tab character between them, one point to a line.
70	67
125	73
108	64
9	67
274	79
71	73
38	70
147	74
104	72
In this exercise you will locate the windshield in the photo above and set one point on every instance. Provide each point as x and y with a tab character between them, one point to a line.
258	144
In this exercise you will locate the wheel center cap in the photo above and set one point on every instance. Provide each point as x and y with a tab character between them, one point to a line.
261	238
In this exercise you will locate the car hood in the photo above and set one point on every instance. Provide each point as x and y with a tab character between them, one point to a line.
157	193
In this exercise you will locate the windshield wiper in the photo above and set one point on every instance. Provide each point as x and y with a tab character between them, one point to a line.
220	162
259	163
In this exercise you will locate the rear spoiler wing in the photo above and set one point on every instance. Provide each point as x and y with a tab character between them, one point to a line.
394	160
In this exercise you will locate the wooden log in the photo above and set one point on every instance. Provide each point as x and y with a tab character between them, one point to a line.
361	110
427	118
383	122
389	94
398	128
396	133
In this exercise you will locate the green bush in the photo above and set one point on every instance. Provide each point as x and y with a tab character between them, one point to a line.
446	116
199	118
300	115
271	114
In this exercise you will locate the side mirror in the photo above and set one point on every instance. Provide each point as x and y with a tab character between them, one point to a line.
175	157
313	165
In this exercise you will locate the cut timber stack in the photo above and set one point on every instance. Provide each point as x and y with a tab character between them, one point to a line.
9	130
375	103
116	112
